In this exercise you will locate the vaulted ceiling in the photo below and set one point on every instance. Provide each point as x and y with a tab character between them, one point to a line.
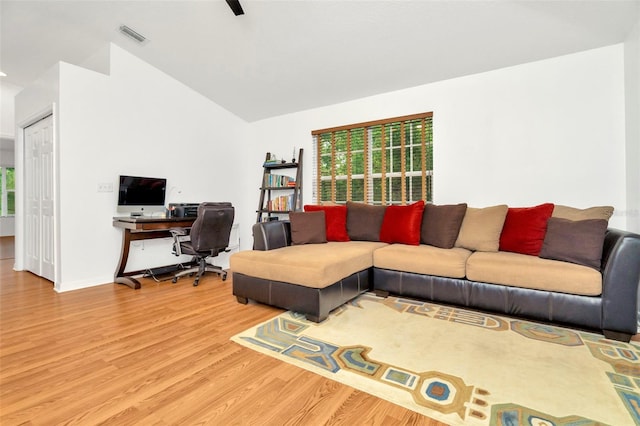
289	55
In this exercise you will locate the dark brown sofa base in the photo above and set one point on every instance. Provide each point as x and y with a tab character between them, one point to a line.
583	312
314	303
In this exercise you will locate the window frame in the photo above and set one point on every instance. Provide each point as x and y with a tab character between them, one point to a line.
4	192
391	145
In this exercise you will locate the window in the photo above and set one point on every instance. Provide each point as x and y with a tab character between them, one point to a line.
7	191
379	162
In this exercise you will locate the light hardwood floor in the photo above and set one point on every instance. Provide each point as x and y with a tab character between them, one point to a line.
160	355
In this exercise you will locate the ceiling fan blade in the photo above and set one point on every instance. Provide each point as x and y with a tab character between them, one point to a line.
236	7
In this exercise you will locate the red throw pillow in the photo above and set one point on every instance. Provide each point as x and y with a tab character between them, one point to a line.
401	224
524	229
335	221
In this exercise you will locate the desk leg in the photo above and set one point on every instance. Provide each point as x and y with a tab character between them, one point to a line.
119	276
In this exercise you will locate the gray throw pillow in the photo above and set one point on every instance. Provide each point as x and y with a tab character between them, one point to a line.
364	221
307	228
578	241
441	224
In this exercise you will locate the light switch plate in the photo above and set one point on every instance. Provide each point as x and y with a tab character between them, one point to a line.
105	187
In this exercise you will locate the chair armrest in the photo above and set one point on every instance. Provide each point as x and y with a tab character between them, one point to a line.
179	235
620	280
271	235
179	231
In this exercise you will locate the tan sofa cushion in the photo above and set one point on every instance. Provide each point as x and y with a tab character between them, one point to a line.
521	270
311	265
422	259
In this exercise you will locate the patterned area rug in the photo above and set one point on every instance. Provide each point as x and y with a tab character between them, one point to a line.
462	367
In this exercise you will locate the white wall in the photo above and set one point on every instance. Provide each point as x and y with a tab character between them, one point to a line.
138	121
7	157
632	92
7	226
8	92
551	130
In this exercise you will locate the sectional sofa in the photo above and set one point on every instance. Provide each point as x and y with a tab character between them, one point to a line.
549	263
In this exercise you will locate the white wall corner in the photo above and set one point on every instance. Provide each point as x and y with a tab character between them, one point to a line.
84	283
99	61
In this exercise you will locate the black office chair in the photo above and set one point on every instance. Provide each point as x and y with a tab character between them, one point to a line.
208	237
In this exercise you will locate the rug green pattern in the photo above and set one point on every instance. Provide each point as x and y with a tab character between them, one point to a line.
462	367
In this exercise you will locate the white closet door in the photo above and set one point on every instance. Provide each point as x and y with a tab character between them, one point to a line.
39	212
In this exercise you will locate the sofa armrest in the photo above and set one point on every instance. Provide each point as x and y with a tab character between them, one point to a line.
271	235
620	280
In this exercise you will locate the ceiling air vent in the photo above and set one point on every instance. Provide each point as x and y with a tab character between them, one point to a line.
132	34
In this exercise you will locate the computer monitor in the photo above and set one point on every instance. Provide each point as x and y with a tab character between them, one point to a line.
141	196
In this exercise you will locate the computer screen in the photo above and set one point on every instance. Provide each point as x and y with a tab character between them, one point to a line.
141	195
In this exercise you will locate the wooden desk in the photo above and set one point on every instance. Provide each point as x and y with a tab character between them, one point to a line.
142	228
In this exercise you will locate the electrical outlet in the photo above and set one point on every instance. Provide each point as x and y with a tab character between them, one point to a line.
105	187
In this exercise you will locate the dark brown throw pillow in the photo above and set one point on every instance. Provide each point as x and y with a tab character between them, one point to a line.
364	221
441	224
307	228
575	241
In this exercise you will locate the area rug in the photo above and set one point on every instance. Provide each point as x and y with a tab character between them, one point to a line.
462	367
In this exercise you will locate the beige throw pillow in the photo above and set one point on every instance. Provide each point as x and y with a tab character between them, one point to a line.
481	228
571	213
